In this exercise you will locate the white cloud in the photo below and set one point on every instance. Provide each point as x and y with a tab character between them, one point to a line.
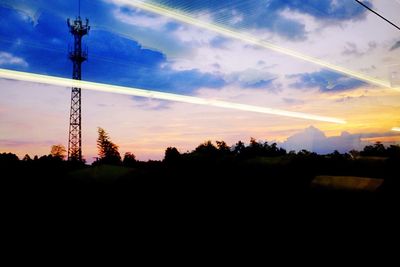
9	59
193	36
141	19
315	140
326	41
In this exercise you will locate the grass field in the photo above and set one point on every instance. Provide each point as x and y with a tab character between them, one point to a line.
101	174
349	183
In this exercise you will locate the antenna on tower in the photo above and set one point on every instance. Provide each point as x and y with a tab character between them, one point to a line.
78	55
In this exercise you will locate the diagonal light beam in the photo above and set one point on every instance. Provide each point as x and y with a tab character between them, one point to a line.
168	12
45	79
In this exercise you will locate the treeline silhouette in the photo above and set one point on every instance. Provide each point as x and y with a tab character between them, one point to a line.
212	178
261	164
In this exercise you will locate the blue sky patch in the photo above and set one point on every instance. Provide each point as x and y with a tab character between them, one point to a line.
112	58
326	81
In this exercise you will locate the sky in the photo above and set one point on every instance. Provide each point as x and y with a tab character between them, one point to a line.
132	47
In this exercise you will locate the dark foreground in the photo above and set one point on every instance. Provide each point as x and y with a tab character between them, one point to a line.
261	185
208	199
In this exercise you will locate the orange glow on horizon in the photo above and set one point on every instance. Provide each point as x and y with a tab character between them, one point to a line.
383	139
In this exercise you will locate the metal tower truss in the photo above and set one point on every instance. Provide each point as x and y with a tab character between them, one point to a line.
77	55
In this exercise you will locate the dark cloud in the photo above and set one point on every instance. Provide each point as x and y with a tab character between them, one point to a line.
256	79
395	46
268	84
349	98
261	63
22	143
219	42
327	9
267	14
352	49
326	81
151	104
292	101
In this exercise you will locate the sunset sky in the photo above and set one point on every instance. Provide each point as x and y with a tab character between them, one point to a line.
136	48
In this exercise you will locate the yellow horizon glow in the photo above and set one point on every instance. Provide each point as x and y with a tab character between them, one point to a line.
385	139
108	88
168	12
396	129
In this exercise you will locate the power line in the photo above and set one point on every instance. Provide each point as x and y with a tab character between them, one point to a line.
376	13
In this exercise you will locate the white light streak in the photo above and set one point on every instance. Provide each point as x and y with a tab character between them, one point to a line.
45	79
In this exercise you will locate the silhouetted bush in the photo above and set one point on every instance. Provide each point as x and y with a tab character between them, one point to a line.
172	156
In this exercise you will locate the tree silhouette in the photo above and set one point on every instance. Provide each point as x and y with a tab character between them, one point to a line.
206	152
129	159
223	147
255	148
239	148
108	151
26	158
172	155
376	150
393	151
58	152
9	157
206	149
354	154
